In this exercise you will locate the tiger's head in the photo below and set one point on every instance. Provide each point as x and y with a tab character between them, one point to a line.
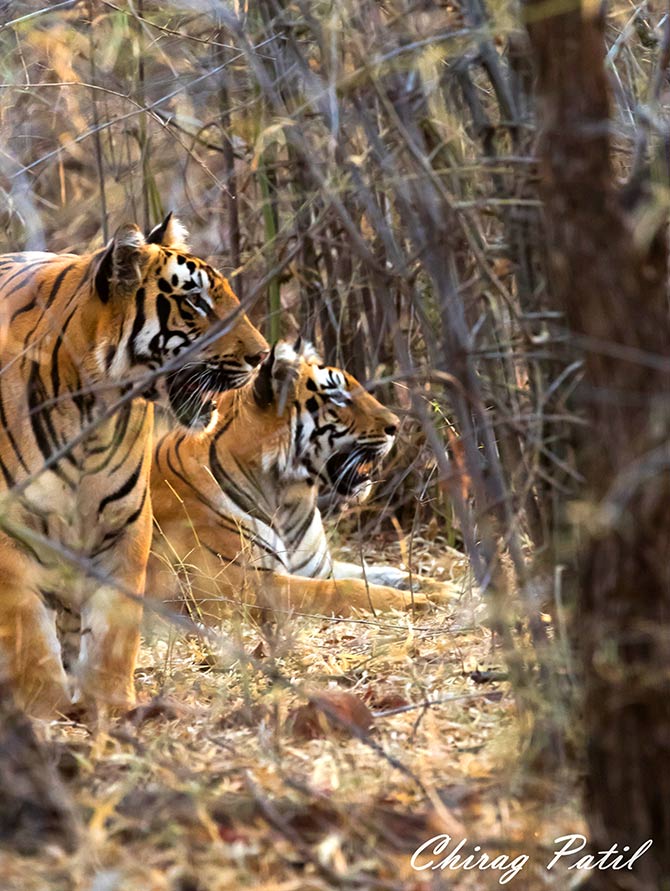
326	427
156	300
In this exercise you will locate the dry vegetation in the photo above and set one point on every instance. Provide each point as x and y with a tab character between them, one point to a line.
228	779
366	173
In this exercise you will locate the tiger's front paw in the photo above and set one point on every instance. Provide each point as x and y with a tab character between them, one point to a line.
382	599
440	592
430	594
101	695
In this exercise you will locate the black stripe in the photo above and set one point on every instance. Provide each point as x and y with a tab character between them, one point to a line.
111	538
40	421
26	270
315	572
58	281
202	498
125	437
9	479
9	434
55	373
235	525
125	489
27	340
302	529
110	448
138	324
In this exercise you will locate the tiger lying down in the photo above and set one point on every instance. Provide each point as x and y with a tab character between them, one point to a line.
235	508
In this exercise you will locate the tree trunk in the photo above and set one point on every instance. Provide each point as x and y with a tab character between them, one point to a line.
34	807
610	280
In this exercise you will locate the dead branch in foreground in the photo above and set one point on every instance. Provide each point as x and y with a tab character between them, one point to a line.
34	806
610	268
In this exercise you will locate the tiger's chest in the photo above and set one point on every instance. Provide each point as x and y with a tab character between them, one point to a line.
284	532
69	513
73	515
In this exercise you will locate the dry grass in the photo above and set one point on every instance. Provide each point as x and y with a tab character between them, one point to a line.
211	787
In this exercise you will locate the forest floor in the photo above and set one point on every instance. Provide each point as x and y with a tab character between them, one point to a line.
228	778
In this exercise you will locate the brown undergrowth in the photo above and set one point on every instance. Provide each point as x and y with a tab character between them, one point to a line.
230	775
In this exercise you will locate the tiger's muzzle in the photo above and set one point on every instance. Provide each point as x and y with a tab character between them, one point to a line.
349	472
192	390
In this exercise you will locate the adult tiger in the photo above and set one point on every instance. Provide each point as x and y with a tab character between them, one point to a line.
236	507
75	462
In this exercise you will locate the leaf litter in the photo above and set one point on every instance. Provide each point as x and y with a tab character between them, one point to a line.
321	758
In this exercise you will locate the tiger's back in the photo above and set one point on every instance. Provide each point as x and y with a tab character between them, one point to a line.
50	385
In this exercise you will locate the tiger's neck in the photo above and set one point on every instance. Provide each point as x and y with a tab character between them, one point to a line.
258	450
54	326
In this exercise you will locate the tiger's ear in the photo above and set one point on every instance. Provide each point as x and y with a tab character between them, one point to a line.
264	393
170	233
285	375
121	264
307	351
277	377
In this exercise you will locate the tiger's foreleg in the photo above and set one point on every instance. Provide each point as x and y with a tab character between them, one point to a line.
339	597
438	591
30	658
110	623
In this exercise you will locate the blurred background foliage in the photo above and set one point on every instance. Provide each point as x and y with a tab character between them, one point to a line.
332	152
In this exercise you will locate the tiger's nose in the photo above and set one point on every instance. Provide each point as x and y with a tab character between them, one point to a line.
391	429
257	358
